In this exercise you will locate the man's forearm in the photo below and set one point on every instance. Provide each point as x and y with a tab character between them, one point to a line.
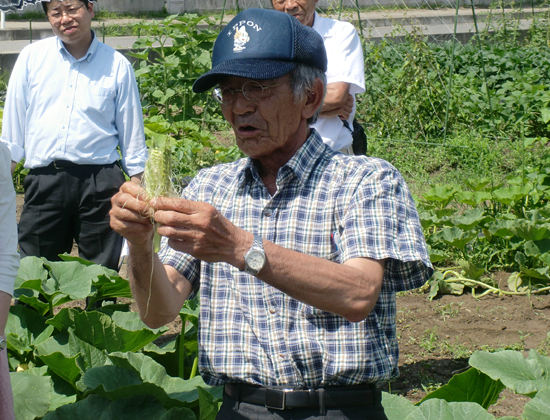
350	290
13	166
158	296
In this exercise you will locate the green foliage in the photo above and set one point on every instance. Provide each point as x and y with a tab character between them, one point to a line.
170	59
97	363
484	226
420	91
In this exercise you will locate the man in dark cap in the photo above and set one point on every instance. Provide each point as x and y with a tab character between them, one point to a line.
298	250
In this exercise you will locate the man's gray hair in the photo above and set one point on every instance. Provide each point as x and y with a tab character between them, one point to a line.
303	78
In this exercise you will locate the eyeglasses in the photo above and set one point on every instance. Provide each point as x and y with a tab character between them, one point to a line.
252	90
71	11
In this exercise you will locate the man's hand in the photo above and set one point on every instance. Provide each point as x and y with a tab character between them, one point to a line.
338	101
131	215
198	229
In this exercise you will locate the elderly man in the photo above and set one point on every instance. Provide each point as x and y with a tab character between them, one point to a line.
345	72
74	114
297	250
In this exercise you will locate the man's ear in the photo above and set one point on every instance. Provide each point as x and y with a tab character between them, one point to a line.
314	99
91	9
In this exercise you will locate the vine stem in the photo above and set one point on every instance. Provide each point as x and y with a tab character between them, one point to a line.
490	289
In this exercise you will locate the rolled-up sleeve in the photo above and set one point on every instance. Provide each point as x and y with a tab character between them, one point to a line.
15	109
129	122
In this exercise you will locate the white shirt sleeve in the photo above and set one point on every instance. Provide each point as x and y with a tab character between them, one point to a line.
15	109
345	57
9	257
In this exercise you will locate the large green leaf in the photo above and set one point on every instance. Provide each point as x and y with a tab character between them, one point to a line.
501	228
396	407
521	375
539	407
455	237
69	357
104	332
26	328
469	219
31	395
531	232
207	404
31	268
442	194
509	195
136	373
94	407
471	386
443	410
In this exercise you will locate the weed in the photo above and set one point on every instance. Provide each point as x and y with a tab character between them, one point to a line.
449	310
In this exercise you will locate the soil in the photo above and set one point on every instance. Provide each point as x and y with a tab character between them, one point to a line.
437	337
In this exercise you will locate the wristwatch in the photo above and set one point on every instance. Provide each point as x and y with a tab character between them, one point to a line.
3	343
254	259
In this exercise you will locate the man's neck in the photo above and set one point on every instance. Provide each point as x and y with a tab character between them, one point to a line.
79	50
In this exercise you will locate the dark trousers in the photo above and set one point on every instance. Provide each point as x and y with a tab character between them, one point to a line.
72	202
231	409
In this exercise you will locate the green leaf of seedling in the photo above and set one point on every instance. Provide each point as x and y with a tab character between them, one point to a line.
31	395
470	386
521	375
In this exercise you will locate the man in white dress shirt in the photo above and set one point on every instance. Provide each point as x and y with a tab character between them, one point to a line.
345	73
73	113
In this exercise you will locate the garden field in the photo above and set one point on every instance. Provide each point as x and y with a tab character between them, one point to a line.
467	126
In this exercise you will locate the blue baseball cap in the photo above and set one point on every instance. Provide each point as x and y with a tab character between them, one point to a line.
262	44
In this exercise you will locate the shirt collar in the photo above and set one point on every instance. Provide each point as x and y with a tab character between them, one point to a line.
91	50
301	164
321	25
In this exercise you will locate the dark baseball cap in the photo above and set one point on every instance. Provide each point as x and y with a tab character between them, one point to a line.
262	44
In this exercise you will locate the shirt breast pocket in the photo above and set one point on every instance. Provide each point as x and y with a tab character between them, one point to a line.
99	100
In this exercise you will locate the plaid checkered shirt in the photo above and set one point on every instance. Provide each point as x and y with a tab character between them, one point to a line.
328	205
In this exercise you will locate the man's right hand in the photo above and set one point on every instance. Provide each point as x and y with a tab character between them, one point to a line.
131	216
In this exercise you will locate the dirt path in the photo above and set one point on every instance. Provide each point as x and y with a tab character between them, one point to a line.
436	338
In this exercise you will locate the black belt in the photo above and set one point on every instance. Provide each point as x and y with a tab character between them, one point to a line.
60	164
282	398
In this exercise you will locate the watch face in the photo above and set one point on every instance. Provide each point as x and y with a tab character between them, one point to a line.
256	260
3	343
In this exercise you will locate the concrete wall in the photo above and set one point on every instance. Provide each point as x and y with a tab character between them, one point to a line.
183	6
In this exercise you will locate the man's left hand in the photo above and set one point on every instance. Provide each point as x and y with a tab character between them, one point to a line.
198	229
